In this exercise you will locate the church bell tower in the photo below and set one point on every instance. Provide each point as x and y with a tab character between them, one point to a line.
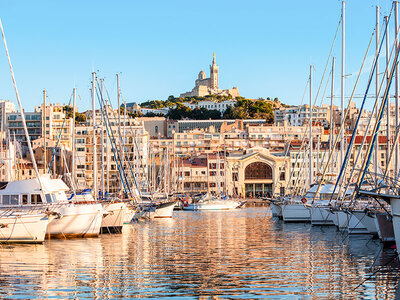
214	74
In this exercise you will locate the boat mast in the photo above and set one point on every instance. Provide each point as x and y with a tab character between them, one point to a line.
102	142
377	88
28	141
94	135
73	137
44	132
124	132
119	124
396	22
331	112
310	138
107	153
342	84
388	99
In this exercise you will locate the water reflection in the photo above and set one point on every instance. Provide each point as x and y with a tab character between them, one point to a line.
233	254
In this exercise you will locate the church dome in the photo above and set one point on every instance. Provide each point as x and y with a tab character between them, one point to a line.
202	75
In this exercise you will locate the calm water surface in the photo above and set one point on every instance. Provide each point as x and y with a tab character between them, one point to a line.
203	255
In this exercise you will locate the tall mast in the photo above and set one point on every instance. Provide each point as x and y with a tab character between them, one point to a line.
28	141
342	84
396	22
377	89
73	137
102	142
310	139
94	135
44	132
107	152
331	112
124	131
388	97
119	124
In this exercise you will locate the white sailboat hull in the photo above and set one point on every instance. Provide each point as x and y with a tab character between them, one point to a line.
24	228
163	210
395	204
321	216
130	212
114	215
276	210
295	213
355	226
76	220
367	221
342	219
213	205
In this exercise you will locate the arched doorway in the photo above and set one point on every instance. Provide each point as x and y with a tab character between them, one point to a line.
258	179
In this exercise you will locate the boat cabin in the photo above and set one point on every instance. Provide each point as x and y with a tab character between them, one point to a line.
27	192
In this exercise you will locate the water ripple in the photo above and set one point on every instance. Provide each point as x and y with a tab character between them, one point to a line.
202	255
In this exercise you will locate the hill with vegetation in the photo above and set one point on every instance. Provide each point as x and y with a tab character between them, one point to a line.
244	108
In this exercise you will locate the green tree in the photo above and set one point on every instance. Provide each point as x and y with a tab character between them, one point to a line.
80	118
179	112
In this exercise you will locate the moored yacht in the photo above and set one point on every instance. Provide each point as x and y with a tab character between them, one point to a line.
207	202
79	219
114	211
23	226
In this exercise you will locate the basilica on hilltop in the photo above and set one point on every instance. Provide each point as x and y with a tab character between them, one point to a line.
209	86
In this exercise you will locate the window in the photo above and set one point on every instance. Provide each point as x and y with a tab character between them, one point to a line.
187	173
282	176
14	199
24	199
235	177
48	198
6	199
36	199
258	170
213	173
212	184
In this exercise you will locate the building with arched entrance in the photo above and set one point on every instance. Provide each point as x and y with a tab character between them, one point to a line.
256	173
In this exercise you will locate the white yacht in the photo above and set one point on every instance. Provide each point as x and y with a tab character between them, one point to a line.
23	227
154	207
114	211
208	202
73	219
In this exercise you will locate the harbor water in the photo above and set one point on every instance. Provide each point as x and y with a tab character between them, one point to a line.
204	255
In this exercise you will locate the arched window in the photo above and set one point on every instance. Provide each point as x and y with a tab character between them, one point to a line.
258	170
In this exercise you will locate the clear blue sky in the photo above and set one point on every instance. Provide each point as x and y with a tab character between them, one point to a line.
262	47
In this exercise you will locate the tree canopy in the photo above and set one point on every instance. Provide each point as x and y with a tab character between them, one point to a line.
243	109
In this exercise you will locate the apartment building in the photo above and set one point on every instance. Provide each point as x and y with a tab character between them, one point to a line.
299	115
111	138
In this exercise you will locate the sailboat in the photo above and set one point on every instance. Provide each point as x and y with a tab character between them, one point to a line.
209	202
45	194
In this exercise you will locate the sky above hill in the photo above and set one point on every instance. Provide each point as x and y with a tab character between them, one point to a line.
263	47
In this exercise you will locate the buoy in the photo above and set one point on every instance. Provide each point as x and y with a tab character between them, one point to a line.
304	200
